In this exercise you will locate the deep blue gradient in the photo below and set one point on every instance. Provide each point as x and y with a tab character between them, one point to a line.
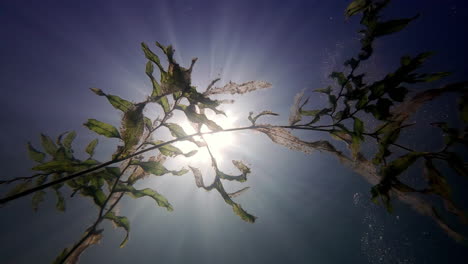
53	51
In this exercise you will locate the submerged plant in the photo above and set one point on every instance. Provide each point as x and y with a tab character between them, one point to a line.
354	106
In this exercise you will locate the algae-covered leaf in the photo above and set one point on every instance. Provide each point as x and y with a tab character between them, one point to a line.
34	154
237	208
283	137
241	166
253	119
234	88
239	192
102	128
295	110
198	177
94	238
119	221
91	146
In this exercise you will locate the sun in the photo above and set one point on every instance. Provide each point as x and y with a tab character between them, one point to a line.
217	142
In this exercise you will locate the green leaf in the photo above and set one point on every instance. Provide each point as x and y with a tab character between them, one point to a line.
120	221
463	108
117	102
201	119
392	26
324	90
381	110
309	112
339	77
132	127
60	205
60	258
398	94
457	164
149	68
35	154
91	146
399	165
69	139
102	128
37	198
353	63
98	195
362	102
332	99
358	127
156	168
164	104
176	130
356	6
20	187
319	114
150	55
434	76
172	151
59	166
382	191
179	172
148	123
152	167
436	181
355	145
48	145
390	135
160	200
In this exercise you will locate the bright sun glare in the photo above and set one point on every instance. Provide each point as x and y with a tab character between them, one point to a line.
217	142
